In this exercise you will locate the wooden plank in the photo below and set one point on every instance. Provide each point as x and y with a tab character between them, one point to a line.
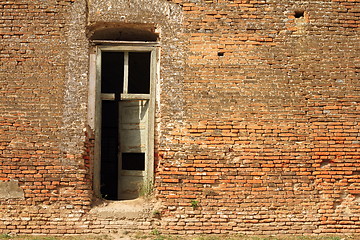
134	96
97	148
126	72
108	96
154	75
92	89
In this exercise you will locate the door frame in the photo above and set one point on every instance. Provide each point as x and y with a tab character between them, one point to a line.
95	98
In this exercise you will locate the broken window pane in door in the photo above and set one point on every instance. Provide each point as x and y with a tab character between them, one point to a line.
133	161
112	73
139	72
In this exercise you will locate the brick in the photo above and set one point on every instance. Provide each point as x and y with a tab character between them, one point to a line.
253	120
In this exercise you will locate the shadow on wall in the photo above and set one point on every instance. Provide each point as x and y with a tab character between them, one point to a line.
115	32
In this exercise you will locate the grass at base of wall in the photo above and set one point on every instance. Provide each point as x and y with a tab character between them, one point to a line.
244	237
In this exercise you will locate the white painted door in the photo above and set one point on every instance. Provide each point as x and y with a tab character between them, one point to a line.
133	134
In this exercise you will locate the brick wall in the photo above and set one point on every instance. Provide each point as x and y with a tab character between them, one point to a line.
257	111
269	141
41	128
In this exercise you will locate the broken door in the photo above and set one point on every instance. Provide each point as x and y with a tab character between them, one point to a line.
133	134
127	109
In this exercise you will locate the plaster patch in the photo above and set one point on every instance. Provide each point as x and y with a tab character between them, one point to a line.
10	190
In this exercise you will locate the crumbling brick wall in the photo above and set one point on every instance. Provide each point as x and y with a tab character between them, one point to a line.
256	119
43	113
271	143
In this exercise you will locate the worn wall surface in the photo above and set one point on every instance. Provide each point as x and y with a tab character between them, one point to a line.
257	116
43	94
269	141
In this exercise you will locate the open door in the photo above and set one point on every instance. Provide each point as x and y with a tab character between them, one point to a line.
126	76
133	132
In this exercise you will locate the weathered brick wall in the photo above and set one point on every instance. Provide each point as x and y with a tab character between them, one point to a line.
41	125
269	141
256	121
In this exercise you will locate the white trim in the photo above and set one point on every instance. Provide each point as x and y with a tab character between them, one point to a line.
97	147
126	72
92	88
130	48
108	96
127	96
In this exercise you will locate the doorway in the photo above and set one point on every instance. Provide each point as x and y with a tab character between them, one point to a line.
125	119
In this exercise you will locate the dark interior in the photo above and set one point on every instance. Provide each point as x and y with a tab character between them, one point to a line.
139	72
112	75
109	149
111	82
133	161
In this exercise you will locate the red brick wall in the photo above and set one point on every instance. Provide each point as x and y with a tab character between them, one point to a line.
269	141
41	139
256	122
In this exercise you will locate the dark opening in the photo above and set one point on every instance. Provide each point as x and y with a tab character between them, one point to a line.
109	149
133	161
220	54
112	73
299	14
112	81
139	72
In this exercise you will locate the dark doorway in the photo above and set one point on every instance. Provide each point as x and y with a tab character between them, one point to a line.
125	97
111	82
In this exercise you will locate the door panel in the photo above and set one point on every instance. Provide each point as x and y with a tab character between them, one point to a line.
124	119
133	134
133	125
129	184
